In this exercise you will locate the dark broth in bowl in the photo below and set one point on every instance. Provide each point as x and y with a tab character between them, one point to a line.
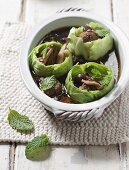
60	35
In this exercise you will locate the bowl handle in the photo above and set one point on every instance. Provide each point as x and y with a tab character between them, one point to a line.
79	116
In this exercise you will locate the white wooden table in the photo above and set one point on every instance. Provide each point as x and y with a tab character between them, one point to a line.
114	157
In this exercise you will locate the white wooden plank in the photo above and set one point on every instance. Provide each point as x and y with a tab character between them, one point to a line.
89	158
12	156
37	10
123	156
121	14
126	155
4	156
102	157
10	10
121	18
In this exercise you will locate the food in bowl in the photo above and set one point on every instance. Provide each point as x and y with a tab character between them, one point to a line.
92	41
88	82
60	63
50	58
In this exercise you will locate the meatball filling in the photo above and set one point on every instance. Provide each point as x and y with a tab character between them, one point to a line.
89	34
51	86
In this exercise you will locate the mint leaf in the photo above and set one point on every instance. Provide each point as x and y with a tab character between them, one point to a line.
47	83
38	148
20	122
102	32
96	72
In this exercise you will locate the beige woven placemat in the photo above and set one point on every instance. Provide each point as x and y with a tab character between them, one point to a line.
112	127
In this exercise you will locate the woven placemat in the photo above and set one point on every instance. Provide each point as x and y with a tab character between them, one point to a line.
112	127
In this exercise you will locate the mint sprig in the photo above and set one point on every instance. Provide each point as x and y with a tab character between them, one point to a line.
96	73
38	148
47	83
20	122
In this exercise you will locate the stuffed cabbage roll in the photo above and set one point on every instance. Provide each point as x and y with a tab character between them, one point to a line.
92	41
89	82
51	58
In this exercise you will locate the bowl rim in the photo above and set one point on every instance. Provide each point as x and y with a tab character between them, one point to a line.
43	98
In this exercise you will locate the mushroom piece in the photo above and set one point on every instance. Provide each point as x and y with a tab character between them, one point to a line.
79	77
84	81
85	87
48	55
51	55
54	55
92	83
41	59
62	54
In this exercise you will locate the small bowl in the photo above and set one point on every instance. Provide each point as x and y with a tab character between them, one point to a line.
75	112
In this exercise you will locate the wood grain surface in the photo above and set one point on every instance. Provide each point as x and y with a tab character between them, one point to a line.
114	157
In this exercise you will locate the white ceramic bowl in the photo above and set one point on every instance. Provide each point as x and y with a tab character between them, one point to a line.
75	112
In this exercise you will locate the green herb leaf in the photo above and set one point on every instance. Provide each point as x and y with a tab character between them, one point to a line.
38	148
102	32
20	122
96	72
106	80
47	83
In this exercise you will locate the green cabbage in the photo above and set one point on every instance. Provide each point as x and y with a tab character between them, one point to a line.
41	69
103	74
92	50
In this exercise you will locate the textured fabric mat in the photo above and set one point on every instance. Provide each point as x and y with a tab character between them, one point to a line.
112	127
